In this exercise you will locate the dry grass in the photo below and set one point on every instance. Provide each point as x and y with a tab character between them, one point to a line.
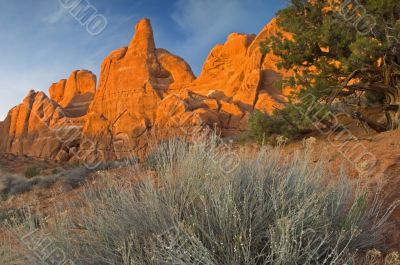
269	210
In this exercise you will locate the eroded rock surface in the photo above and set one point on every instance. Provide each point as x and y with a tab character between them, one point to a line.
76	93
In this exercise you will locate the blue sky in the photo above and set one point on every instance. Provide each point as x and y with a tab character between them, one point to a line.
41	43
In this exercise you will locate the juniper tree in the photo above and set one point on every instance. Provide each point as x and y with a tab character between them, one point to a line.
341	48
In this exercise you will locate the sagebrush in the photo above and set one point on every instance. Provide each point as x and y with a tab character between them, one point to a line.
271	209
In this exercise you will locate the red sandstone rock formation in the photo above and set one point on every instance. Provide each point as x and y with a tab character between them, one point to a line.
45	127
133	83
24	130
240	77
145	94
76	93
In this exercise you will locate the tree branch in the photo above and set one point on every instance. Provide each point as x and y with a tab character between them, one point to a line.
373	124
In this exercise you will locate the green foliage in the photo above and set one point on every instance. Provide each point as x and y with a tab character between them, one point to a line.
258	125
338	48
293	121
32	172
262	127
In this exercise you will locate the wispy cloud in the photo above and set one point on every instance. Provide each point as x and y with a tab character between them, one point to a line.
206	22
61	14
210	16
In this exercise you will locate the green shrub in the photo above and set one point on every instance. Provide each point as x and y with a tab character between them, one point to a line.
269	210
262	126
32	172
265	128
292	121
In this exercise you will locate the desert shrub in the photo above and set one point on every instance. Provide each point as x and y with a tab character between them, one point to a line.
11	256
269	210
18	227
18	215
128	162
6	256
20	187
262	126
4	186
13	185
32	172
284	123
75	177
166	153
293	121
35	180
48	181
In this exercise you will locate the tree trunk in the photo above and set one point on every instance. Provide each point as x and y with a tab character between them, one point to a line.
392	114
392	108
371	123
